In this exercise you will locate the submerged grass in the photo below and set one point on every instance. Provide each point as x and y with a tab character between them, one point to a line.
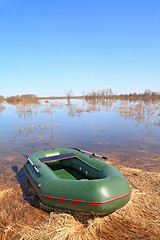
2	107
23	216
140	111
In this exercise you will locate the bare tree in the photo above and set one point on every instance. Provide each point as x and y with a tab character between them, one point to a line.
110	92
69	94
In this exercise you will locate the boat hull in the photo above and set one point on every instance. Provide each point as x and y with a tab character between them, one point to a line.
103	191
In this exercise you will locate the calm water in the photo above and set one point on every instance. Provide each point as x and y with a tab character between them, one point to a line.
127	132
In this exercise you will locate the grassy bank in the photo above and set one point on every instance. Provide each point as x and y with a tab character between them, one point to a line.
22	216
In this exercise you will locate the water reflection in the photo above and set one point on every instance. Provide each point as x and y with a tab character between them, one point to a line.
2	107
41	130
89	106
140	111
105	104
137	111
102	126
49	107
76	110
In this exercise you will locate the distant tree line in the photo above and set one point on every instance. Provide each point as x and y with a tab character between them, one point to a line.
148	94
100	94
108	94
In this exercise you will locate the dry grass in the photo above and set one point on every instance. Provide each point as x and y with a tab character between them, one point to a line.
24	99
23	219
50	107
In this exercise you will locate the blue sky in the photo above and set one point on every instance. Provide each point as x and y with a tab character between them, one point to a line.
47	47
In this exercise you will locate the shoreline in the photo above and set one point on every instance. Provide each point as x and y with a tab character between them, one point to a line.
24	217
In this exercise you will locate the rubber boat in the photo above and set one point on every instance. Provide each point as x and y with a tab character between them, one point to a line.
76	180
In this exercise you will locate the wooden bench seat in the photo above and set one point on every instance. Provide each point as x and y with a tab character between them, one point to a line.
58	157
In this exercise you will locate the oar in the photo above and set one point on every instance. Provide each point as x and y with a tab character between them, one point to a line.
30	161
93	154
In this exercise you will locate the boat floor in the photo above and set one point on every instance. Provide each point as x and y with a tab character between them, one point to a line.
69	174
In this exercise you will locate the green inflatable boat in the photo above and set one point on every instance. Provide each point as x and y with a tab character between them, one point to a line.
71	179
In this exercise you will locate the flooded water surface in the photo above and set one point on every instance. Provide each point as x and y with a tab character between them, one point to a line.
127	132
